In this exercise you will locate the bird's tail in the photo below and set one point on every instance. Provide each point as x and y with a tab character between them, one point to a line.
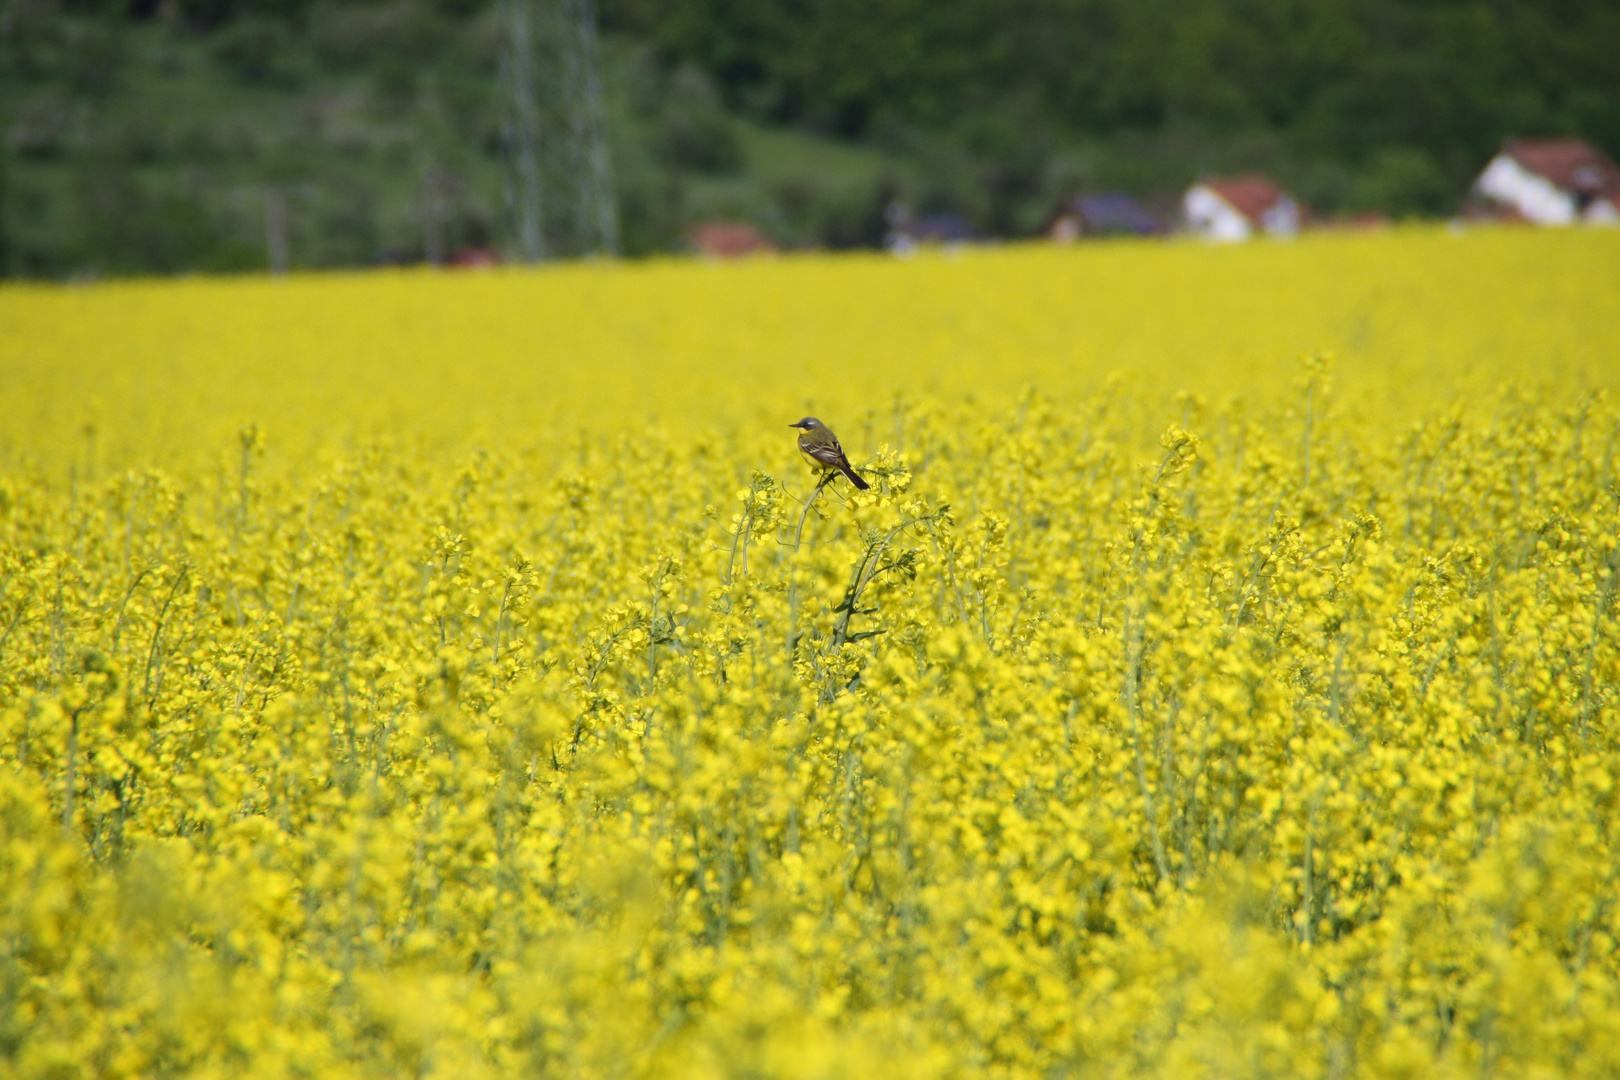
854	478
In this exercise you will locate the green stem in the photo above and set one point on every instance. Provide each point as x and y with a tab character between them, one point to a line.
1133	666
865	571
793	580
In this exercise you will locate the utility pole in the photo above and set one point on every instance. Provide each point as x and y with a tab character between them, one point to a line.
436	195
5	246
275	228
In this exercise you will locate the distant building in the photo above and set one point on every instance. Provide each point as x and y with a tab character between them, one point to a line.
728	239
1553	182
908	231
945	227
1108	213
1235	208
475	258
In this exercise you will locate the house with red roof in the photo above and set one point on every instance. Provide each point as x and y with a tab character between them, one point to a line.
1236	207
728	240
1553	182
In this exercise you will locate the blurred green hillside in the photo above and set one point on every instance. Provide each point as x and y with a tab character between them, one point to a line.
144	137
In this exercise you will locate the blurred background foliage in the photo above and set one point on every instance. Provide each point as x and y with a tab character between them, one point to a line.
143	136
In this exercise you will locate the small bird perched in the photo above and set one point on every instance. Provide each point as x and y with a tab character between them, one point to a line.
820	446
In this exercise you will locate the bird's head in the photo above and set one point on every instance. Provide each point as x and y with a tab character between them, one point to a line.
809	423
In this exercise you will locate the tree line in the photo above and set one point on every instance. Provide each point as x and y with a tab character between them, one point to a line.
151	135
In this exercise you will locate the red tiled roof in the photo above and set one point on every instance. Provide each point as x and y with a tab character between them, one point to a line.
728	239
474	257
1572	164
1250	196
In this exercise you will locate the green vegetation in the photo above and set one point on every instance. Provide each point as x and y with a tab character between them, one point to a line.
150	137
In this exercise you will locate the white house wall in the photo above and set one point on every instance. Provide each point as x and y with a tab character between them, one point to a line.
1535	197
1281	217
1601	212
1212	217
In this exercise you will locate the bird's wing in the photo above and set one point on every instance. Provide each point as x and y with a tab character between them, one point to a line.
826	450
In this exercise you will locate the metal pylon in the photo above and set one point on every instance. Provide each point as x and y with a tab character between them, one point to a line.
595	210
555	131
521	127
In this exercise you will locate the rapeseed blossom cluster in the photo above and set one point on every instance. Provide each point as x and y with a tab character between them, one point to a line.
1154	723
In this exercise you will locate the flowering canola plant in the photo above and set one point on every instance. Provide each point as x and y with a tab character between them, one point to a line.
405	674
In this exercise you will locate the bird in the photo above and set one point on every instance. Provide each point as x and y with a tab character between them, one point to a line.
820	446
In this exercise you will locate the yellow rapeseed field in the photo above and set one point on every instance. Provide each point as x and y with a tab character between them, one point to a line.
415	674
